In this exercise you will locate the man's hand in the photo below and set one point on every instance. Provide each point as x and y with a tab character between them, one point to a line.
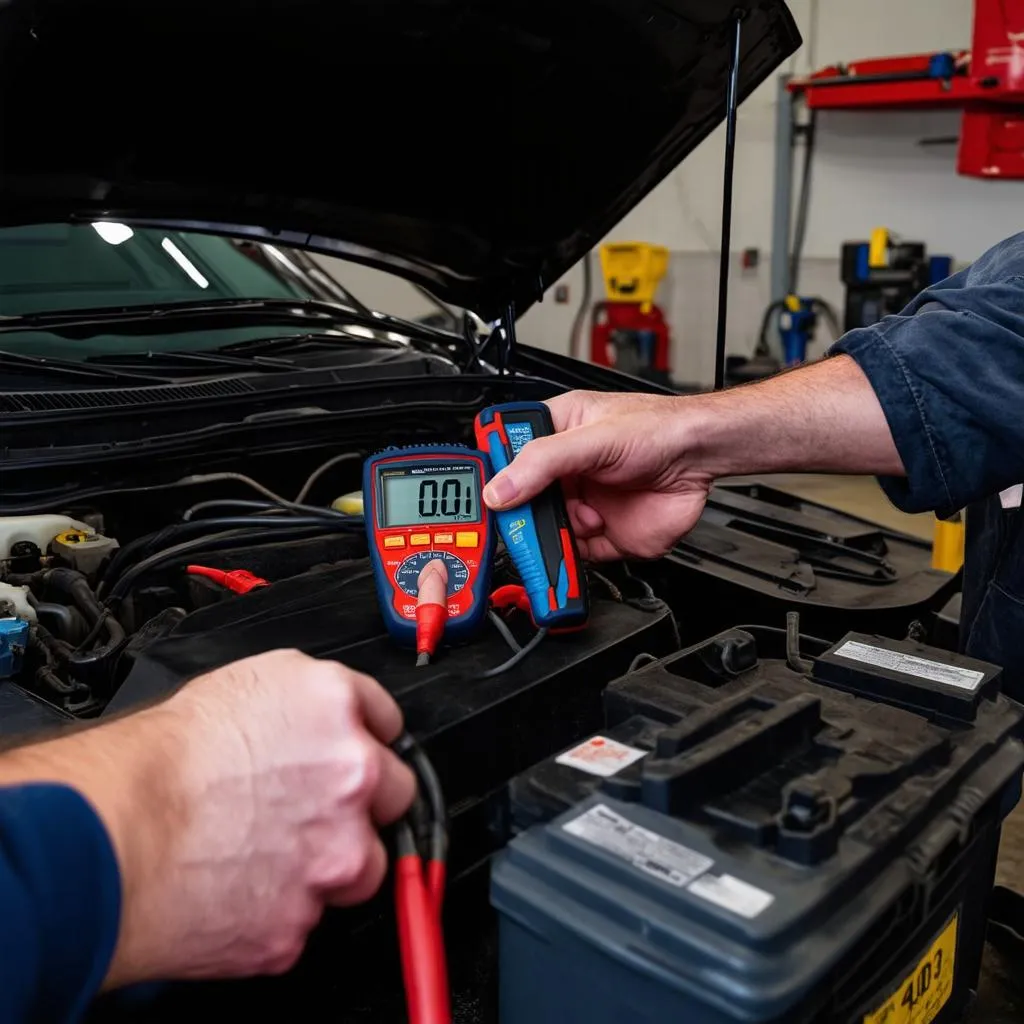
637	469
238	809
626	462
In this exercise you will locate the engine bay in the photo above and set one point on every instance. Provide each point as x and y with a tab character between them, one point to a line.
117	602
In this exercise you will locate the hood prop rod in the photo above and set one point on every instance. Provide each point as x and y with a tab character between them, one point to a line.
732	102
507	343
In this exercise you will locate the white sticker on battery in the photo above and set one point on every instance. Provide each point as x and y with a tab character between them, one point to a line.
733	894
601	755
670	861
910	665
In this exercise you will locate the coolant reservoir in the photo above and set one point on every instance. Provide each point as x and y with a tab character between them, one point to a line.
41	530
18	598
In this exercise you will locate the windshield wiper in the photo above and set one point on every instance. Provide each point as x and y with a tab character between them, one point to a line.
266	355
254	346
18	362
154	318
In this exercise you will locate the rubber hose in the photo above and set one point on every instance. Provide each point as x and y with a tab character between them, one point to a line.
61	614
75	585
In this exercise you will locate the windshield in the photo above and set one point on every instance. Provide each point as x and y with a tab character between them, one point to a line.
50	267
64	268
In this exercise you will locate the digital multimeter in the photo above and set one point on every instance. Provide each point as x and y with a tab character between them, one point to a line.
538	534
422	503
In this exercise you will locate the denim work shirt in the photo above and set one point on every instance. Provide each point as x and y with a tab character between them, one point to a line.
949	373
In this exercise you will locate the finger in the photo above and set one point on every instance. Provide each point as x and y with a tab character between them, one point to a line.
368	880
575	452
395	791
599	549
566	410
381	713
586	520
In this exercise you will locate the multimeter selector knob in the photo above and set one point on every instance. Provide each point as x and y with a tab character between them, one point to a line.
409	571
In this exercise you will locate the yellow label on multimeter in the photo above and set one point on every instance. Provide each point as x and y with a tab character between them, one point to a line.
927	988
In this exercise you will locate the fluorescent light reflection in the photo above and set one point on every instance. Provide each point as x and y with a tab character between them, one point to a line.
184	262
111	232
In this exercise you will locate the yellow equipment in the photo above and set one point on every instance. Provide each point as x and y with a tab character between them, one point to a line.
632	271
948	545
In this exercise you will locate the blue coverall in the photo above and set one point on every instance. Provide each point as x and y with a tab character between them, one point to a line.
60	904
949	372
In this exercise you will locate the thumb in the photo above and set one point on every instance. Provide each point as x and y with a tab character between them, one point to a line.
546	460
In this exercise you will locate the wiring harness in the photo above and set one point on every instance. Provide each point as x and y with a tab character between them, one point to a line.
422	848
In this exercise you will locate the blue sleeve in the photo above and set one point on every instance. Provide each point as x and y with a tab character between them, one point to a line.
60	894
949	373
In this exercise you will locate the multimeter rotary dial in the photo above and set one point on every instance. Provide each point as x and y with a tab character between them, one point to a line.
408	574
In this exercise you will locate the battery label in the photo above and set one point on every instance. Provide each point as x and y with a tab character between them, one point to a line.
910	665
601	755
518	434
922	994
650	852
732	894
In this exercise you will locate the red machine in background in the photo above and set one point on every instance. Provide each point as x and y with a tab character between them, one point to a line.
627	330
986	82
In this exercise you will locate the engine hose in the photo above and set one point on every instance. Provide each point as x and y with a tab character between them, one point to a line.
63	614
40	641
197	527
75	586
222	542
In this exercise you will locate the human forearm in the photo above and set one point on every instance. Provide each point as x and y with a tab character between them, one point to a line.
819	418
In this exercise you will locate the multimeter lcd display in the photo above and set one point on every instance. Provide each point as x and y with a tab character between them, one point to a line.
426	499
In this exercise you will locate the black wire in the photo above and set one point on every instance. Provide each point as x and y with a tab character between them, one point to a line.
641	660
145	546
502	627
516	658
237	503
478	351
727	181
762	348
829	314
584	306
430	786
223	542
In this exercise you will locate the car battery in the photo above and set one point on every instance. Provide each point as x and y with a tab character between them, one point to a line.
761	549
794	845
946	625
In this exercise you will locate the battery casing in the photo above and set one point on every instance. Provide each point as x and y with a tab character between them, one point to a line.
777	851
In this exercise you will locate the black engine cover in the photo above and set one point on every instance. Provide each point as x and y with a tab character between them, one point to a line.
479	733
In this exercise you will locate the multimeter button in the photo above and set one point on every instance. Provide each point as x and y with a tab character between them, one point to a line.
467	539
420	540
444	538
394	542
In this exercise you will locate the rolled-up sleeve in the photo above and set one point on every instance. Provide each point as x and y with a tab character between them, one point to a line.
60	903
949	374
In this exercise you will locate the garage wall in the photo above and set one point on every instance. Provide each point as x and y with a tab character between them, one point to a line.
869	170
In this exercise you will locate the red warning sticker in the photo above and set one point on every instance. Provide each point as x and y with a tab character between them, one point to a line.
601	756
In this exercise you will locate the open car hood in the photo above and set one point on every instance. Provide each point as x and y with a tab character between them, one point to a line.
477	148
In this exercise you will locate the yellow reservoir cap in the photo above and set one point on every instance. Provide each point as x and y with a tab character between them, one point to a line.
349	504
